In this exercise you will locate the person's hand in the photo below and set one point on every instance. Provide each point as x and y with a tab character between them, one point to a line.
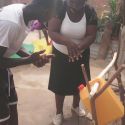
73	51
39	59
43	60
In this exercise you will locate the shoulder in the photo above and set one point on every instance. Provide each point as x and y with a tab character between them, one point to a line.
8	24
9	31
91	14
61	10
13	7
12	13
89	9
8	27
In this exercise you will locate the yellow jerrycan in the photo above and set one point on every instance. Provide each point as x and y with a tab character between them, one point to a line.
108	106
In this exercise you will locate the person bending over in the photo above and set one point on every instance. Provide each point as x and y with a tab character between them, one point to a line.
14	22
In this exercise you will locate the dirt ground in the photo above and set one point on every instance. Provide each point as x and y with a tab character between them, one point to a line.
36	104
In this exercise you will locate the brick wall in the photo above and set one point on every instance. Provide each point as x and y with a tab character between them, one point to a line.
100	5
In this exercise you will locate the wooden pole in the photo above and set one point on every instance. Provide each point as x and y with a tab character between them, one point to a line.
121	56
105	42
123	10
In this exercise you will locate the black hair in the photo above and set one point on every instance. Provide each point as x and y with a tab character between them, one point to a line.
37	9
45	4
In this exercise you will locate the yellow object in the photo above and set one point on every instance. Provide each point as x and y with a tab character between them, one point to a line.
108	106
41	44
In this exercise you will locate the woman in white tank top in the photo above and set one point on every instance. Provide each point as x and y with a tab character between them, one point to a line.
73	30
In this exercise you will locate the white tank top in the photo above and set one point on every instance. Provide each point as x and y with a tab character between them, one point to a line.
73	30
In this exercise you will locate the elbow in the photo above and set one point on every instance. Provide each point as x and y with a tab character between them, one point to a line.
3	64
94	37
52	35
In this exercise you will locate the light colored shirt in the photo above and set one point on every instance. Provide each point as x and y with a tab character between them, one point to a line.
13	30
73	30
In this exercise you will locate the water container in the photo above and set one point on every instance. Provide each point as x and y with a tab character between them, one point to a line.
108	105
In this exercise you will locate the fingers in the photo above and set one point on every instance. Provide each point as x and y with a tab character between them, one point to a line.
40	52
43	59
75	58
50	55
46	58
74	54
35	56
71	59
38	63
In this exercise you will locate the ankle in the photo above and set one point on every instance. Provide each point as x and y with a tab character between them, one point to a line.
75	106
59	112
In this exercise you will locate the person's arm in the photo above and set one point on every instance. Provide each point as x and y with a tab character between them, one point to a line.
9	62
54	26
38	59
89	37
91	28
8	33
23	53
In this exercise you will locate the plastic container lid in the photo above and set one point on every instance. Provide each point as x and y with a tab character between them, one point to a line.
81	87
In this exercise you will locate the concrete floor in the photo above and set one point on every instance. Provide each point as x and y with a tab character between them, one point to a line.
36	103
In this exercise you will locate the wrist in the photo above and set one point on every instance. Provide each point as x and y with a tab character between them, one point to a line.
66	41
80	46
28	60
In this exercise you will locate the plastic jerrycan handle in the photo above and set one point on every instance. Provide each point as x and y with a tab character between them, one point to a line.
94	89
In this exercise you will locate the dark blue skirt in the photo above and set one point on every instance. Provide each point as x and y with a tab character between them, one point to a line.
65	77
